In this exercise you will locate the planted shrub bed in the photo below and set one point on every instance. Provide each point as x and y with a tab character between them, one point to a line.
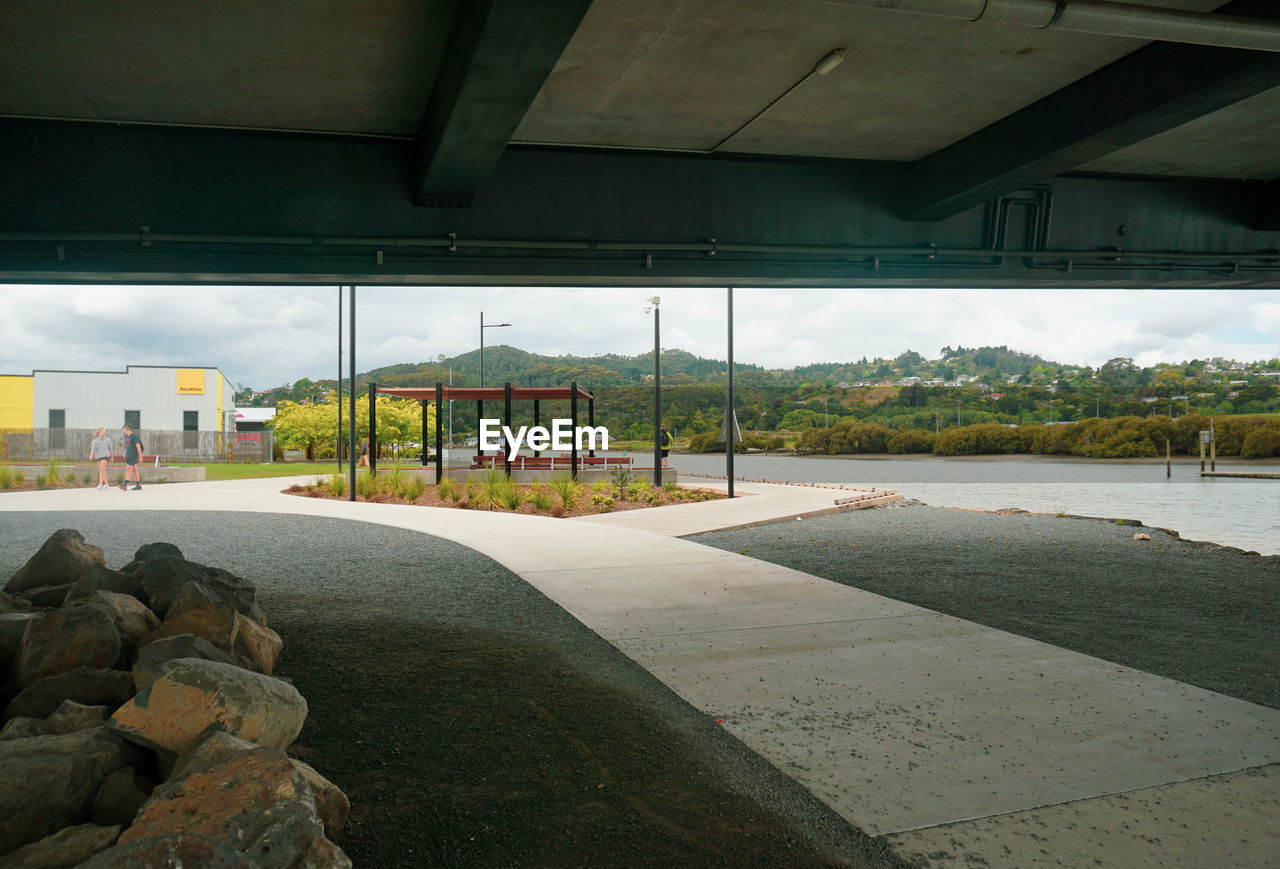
561	496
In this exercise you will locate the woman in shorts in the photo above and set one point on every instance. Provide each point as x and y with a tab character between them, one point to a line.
100	452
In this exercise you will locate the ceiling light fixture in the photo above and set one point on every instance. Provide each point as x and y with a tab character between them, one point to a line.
829	61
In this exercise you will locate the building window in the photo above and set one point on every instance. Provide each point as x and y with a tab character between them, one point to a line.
57	429
133	419
190	429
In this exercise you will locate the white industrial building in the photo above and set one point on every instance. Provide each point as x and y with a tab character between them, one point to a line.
148	397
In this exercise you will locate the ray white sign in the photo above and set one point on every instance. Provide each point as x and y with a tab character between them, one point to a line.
561	436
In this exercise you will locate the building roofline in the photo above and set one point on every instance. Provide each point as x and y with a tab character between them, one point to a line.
126	370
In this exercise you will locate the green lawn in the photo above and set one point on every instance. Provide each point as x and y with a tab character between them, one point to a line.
224	471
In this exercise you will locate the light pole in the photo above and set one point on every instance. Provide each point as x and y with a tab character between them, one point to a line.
441	359
480	402
653	303
482	328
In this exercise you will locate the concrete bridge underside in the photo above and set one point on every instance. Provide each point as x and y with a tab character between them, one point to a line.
702	142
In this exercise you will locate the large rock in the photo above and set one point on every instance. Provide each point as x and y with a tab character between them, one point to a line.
122	793
257	643
50	781
214	622
162	577
214	748
11	604
62	559
68	718
331	803
169	852
189	695
47	596
256	802
63	640
134	621
105	579
67	847
88	687
209	749
12	627
149	551
155	653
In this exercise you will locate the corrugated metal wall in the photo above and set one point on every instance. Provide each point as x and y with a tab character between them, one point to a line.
100	398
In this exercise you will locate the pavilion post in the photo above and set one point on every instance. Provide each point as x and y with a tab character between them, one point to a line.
506	422
373	429
479	421
536	422
351	451
339	453
591	421
728	405
424	430
573	423
439	434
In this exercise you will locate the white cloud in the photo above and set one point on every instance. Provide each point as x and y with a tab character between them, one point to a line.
265	336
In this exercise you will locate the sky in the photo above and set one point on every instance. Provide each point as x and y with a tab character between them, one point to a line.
269	336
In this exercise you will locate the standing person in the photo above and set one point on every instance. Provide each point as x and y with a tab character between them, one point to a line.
364	453
132	452
100	452
664	439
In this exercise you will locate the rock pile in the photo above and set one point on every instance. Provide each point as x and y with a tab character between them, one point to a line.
142	726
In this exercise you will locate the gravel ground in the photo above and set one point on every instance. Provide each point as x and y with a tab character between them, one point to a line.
472	721
1196	612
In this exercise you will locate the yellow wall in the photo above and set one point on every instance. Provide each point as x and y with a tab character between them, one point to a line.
17	401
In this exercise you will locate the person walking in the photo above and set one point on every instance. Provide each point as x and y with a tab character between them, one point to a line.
100	452
132	453
664	440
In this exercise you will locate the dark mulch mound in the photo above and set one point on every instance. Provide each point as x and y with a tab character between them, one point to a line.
472	721
1196	612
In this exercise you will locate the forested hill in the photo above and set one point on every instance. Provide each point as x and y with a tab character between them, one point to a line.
503	363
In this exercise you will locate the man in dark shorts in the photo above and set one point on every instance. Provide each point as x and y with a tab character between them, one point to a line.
664	440
132	452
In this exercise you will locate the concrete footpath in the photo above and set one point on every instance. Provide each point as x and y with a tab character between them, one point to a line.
956	742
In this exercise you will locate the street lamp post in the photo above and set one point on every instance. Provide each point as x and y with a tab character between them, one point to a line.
482	328
480	403
441	359
654	302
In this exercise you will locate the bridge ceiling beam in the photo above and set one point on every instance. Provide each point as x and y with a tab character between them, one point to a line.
1155	89
1268	214
107	203
500	52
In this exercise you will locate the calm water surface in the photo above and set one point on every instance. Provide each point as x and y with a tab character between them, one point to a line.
1235	512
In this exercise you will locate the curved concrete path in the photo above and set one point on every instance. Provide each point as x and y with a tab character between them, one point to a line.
985	744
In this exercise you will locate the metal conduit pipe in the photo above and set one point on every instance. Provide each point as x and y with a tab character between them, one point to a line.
710	247
1100	18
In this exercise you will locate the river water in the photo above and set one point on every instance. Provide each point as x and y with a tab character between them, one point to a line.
1234	512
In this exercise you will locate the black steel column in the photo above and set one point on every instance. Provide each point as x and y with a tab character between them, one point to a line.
728	406
373	429
657	398
591	421
573	421
424	428
351	452
536	422
479	432
439	434
338	455
506	422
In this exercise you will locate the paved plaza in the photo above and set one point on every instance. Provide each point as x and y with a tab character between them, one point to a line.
944	736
